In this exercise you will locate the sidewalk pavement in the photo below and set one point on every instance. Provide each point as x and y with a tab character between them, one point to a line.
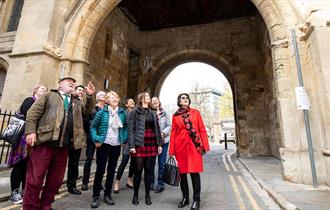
5	180
267	172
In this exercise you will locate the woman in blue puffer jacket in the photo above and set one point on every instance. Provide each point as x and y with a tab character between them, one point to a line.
108	132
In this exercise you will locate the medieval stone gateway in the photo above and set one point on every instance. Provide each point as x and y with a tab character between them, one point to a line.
106	39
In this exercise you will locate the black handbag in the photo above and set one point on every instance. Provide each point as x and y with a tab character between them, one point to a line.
14	131
171	173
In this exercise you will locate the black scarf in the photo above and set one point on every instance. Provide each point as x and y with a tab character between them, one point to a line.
191	130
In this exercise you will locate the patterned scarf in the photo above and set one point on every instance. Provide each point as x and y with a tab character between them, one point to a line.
191	130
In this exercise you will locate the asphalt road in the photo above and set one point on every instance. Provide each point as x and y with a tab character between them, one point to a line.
225	185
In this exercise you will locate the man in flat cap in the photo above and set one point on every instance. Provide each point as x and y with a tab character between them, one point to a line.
53	124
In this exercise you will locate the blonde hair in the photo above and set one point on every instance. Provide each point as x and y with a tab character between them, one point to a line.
107	96
38	86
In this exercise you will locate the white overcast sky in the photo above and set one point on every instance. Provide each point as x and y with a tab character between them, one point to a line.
182	78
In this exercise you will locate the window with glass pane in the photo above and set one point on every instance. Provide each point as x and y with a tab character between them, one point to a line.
15	15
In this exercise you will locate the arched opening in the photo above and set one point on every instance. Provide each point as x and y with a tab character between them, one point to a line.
273	100
210	93
134	59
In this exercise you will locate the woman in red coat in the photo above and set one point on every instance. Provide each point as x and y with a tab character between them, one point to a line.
188	142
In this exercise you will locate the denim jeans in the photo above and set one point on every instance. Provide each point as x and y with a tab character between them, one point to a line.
122	166
161	167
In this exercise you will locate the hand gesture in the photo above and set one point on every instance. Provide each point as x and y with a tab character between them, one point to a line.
90	89
176	162
132	150
97	144
160	149
31	139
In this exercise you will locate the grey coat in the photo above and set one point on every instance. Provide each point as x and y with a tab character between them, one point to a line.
165	125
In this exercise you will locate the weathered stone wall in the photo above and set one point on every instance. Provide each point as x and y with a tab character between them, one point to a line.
34	58
264	46
314	50
237	40
109	55
251	90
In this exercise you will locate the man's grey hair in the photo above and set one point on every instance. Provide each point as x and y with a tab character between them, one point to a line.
100	94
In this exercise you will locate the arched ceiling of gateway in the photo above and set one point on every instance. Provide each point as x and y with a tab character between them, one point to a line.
157	14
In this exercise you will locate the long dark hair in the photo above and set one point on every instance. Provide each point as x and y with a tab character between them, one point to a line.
140	98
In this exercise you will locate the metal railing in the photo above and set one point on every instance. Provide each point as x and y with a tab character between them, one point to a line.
5	147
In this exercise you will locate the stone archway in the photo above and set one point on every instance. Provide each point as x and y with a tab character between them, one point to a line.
84	24
163	68
278	16
3	63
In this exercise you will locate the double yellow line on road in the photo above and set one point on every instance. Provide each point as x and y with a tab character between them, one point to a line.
241	182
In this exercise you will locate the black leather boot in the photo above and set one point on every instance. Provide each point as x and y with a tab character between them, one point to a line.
195	205
184	202
135	200
148	200
96	202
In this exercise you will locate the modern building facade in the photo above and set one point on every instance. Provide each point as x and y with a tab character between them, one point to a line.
207	100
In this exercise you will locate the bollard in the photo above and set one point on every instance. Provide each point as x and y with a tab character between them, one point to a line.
226	141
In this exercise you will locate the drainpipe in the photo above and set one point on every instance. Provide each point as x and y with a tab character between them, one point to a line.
305	109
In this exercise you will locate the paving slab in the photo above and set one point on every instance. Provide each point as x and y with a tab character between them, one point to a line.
267	172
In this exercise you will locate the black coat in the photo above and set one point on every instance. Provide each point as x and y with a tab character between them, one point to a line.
136	125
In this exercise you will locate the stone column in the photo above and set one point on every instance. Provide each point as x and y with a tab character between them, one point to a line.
34	59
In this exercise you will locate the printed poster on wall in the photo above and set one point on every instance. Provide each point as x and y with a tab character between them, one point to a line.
302	98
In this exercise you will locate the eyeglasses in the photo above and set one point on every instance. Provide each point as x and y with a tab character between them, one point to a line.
184	97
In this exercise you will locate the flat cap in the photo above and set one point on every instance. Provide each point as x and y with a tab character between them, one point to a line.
66	78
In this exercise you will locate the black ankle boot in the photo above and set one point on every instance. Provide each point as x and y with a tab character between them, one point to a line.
195	205
183	202
148	200
96	202
135	200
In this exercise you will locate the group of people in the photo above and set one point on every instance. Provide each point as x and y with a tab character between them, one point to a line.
59	123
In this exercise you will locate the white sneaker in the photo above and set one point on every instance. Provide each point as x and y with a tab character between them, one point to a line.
16	197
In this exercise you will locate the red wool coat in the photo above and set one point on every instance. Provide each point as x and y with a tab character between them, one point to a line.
182	146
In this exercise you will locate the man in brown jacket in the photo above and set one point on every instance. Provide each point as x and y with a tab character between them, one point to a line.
53	124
